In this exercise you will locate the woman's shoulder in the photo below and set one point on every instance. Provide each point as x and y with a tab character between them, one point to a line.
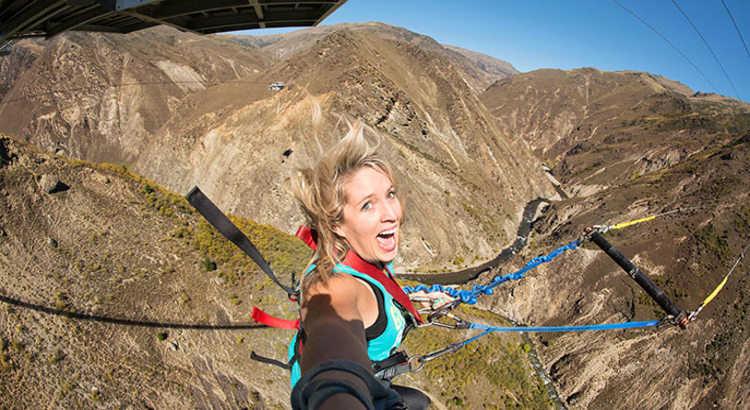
340	282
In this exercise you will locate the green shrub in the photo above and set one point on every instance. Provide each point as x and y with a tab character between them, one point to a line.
209	265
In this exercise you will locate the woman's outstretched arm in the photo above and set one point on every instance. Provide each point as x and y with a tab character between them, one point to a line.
332	319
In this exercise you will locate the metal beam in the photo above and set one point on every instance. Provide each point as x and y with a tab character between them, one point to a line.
201	24
100	28
182	8
256	25
330	10
258	9
272	3
145	17
122	5
30	16
139	25
90	14
26	18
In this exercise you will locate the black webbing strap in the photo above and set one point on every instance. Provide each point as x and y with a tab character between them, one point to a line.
222	224
268	360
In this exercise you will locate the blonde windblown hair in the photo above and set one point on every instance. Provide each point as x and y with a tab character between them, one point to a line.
320	190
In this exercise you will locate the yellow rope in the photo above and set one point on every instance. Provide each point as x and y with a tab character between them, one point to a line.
716	291
721	285
637	221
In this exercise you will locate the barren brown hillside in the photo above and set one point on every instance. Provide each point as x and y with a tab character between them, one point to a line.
478	70
443	143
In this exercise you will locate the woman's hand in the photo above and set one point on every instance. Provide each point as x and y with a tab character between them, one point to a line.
432	300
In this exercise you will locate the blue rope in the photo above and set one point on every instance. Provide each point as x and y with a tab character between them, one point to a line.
606	326
582	328
470	296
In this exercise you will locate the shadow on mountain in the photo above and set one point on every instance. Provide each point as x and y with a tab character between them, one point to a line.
128	322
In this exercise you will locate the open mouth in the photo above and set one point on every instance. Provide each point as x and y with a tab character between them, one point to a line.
387	239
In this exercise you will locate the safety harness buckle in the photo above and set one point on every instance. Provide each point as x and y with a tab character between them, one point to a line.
392	366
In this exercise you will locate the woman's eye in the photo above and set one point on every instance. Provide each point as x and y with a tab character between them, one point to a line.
366	206
391	194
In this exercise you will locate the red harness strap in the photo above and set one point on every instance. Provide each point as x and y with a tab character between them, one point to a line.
268	320
308	236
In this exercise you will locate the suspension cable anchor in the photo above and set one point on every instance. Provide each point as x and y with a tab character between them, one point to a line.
682	320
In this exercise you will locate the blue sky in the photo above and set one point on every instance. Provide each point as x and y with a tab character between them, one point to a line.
569	34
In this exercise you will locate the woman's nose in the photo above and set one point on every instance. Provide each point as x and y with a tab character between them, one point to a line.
390	212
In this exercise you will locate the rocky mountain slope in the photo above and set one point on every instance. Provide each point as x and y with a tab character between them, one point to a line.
115	294
627	146
231	138
101	97
16	63
598	129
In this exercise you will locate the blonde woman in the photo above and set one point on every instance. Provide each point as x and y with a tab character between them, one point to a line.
353	312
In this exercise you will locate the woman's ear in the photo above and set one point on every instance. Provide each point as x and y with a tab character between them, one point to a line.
338	231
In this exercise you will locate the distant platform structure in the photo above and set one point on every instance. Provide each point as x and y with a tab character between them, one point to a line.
47	18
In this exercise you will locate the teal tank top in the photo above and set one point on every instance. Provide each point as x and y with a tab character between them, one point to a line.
382	346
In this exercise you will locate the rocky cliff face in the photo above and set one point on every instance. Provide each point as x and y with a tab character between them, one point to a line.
16	63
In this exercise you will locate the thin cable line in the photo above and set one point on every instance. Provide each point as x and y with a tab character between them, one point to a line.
670	43
736	28
709	48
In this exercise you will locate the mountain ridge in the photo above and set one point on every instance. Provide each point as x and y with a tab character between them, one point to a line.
481	69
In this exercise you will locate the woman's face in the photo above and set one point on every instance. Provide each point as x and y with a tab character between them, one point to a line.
372	215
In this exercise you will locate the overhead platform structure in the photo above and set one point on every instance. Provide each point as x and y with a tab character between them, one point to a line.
47	18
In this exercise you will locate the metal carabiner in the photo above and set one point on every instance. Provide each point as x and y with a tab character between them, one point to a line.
443	310
420	360
420	363
451	348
